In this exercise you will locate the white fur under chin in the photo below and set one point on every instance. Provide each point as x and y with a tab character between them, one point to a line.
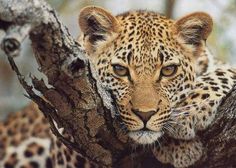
145	137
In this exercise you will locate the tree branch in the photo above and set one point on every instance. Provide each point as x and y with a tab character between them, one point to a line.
220	137
169	8
77	103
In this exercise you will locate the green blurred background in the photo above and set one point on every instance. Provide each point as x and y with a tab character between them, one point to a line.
222	41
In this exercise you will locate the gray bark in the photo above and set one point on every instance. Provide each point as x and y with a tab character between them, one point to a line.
78	104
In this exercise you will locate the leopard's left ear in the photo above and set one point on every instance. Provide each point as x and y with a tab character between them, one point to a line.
193	28
98	27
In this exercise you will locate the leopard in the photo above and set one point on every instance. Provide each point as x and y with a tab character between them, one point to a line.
27	142
161	75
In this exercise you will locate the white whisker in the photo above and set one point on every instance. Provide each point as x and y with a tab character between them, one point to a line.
185	111
170	129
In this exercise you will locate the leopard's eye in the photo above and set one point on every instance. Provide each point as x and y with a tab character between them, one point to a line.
169	70
120	70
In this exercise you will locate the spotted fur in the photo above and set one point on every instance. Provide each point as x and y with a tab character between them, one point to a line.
27	142
150	104
145	42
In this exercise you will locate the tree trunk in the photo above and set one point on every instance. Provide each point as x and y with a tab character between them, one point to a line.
76	101
169	8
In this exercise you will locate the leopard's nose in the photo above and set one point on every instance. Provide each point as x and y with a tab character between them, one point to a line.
144	116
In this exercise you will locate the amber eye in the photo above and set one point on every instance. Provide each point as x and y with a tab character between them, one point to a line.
120	70
169	70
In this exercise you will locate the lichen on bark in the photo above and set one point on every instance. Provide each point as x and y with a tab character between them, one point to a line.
76	100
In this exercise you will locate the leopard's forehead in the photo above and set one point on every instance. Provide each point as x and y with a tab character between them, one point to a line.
145	40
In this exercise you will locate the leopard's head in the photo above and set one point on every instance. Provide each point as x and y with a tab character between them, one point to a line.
146	61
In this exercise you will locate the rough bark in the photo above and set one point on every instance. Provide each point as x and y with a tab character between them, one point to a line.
220	139
76	101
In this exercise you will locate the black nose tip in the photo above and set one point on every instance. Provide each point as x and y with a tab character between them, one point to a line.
144	116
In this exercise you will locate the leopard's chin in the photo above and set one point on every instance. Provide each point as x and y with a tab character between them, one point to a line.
145	137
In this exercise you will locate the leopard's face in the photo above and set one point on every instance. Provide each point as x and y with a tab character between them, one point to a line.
145	67
146	74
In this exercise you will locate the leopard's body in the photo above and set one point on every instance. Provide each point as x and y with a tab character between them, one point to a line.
161	75
27	142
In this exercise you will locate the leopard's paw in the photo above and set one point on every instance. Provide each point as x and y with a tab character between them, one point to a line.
182	126
180	153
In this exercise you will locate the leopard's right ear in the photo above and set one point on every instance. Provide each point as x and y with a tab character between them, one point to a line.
194	28
98	27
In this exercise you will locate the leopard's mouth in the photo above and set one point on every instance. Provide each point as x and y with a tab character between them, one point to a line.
145	137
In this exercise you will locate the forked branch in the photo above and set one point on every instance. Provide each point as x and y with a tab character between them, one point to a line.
76	101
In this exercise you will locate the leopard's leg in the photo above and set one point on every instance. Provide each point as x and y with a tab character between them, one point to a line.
179	153
199	108
195	113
